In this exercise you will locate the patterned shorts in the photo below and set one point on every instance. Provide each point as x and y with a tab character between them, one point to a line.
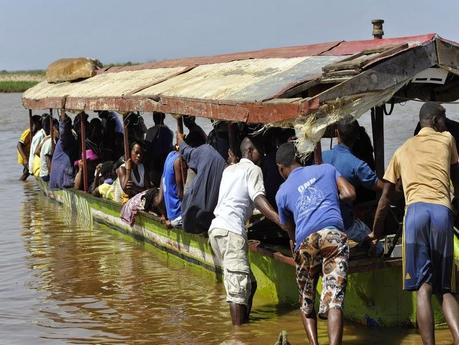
325	251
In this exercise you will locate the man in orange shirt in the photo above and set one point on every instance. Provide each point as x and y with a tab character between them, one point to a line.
425	164
23	147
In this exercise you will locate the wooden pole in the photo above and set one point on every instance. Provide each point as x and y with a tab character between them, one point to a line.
318	153
30	124
83	152
51	130
125	138
180	124
232	137
377	114
377	127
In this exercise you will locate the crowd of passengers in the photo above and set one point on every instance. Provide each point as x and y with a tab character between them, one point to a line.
203	183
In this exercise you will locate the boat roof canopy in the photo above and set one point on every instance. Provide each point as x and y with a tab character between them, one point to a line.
279	85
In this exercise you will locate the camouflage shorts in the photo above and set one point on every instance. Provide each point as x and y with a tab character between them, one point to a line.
325	251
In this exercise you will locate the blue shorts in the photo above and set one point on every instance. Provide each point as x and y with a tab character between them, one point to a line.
428	247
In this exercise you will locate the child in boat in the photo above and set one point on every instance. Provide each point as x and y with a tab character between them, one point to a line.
133	177
425	164
309	210
23	147
104	178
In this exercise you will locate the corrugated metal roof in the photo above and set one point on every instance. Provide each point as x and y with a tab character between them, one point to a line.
237	86
252	80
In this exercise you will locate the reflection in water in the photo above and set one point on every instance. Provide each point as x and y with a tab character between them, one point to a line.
62	282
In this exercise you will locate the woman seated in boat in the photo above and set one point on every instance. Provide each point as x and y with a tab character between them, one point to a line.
65	152
92	160
132	175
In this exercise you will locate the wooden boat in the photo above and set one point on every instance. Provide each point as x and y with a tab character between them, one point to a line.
308	87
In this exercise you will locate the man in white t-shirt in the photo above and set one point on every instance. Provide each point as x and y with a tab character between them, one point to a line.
241	189
46	152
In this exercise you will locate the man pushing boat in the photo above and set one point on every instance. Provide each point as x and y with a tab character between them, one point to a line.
425	164
309	210
241	189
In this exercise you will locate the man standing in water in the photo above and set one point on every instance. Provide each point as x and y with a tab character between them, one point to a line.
425	164
241	189
308	203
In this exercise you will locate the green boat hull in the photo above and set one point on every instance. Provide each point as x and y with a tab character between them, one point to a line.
374	295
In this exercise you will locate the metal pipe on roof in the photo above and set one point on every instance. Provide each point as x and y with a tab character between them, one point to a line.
378	31
125	138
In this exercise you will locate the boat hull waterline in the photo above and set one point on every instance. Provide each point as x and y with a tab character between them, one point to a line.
374	295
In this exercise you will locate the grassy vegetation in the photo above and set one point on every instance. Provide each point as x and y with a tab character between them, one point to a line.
19	81
16	85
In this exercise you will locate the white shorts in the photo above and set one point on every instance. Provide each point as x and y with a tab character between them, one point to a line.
231	250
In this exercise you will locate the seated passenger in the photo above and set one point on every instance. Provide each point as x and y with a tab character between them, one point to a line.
65	153
200	199
92	160
136	127
132	175
112	137
94	137
190	123
158	144
358	173
23	147
173	181
218	138
36	141
104	178
46	152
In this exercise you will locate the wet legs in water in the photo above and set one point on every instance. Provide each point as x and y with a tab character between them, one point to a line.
239	312
424	314
335	327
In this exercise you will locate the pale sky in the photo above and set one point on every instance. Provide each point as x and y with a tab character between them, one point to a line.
33	33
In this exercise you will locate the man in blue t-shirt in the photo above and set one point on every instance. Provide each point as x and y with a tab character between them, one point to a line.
358	173
309	210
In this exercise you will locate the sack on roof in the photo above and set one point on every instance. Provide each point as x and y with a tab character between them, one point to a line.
71	69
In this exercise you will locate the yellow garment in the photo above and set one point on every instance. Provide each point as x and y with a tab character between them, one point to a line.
456	250
107	191
36	166
25	139
423	164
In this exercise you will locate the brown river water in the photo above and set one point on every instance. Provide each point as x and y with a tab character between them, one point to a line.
64	283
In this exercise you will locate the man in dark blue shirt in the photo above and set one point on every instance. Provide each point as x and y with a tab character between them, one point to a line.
308	206
358	173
